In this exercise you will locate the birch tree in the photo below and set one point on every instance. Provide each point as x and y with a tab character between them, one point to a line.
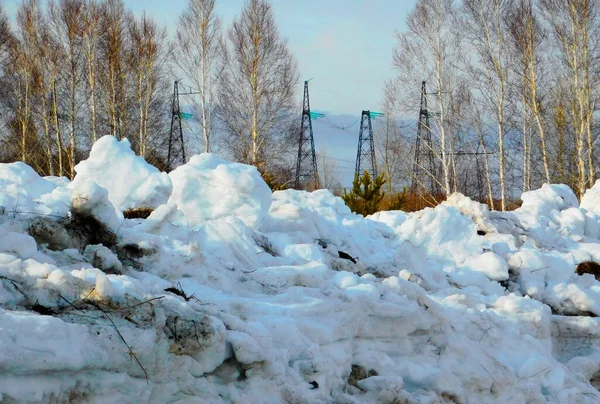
486	29
575	28
526	37
91	38
429	50
113	48
257	86
25	66
393	150
329	175
67	21
198	51
147	61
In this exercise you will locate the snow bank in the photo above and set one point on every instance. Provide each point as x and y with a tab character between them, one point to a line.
90	199
228	293
130	181
208	187
591	199
23	190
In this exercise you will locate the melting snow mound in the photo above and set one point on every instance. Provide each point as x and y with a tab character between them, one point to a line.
208	187
130	181
231	293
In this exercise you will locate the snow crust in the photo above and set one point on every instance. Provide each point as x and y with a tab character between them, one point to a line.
228	293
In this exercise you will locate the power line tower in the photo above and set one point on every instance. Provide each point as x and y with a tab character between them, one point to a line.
424	161
306	165
365	156
176	153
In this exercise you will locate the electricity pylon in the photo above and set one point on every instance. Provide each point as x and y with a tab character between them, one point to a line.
365	156
176	153
306	164
424	161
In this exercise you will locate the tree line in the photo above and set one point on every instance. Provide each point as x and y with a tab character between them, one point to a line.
74	70
511	89
512	92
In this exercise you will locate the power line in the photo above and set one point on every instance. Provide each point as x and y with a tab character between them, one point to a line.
339	126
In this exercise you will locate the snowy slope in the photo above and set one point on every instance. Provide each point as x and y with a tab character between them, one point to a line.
228	293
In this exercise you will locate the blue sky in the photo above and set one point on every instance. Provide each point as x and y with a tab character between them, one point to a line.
344	45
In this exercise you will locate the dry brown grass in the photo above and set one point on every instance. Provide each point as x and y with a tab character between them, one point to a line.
588	267
137	213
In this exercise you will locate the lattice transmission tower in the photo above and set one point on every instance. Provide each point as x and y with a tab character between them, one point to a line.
306	164
176	153
365	156
424	168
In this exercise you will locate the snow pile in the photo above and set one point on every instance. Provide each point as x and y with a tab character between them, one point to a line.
22	190
90	199
228	293
130	181
316	226
208	187
591	199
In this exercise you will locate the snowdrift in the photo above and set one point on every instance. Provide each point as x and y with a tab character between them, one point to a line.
228	293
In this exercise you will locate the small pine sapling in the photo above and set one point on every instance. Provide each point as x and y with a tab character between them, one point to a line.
366	194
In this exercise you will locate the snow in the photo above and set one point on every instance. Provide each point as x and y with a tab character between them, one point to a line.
131	183
230	293
208	187
90	199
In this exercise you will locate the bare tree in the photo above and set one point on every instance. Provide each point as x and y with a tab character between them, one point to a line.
486	29
475	118
67	21
198	50
6	38
91	38
575	27
147	61
257	85
113	48
25	66
329	176
43	74
6	43
393	149
527	35
429	50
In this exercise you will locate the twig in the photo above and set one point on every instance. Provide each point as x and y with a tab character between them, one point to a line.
539	269
89	294
18	212
180	292
535	374
140	303
483	335
488	373
131	353
14	283
77	308
270	287
69	303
